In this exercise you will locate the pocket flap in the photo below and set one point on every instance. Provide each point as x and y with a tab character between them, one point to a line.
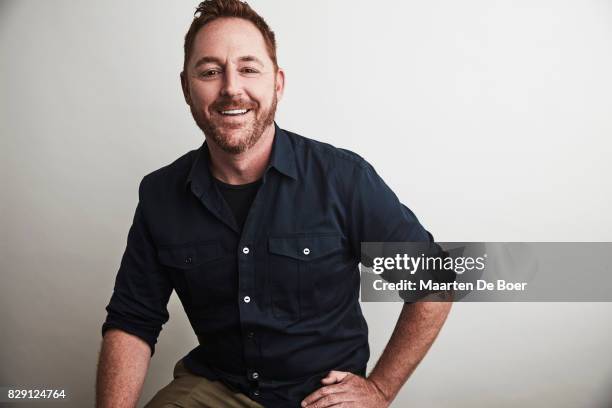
305	247
189	256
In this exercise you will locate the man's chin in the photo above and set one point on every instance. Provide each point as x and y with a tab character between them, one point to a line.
233	143
234	149
233	137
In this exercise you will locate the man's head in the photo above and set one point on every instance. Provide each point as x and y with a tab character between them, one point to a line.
230	78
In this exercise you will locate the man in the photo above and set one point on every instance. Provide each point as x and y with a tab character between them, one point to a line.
259	233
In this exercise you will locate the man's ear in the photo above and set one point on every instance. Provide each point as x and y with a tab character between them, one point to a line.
280	83
185	87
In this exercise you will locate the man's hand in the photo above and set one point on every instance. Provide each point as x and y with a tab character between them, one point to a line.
342	389
416	328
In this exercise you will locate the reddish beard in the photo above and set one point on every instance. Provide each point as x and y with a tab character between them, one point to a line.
252	130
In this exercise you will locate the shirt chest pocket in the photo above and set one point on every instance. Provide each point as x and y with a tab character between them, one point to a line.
198	273
297	265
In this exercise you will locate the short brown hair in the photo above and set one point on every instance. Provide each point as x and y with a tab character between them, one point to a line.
210	10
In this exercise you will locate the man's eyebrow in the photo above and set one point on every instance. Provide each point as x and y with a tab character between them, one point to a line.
207	60
251	58
215	60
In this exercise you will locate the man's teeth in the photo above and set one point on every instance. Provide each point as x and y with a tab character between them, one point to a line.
234	112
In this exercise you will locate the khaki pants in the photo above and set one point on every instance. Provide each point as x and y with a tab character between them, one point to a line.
190	391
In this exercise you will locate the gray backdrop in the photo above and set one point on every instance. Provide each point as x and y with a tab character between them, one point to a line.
489	119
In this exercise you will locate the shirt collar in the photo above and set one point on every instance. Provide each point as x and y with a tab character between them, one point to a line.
282	158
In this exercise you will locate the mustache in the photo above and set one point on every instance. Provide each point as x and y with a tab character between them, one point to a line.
225	104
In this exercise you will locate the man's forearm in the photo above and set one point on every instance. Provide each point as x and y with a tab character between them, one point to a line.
416	329
123	365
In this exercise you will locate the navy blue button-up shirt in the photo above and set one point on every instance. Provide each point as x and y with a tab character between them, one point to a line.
275	305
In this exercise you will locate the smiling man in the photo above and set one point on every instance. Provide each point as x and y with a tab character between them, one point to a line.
258	231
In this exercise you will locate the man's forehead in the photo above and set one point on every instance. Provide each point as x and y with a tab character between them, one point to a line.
229	37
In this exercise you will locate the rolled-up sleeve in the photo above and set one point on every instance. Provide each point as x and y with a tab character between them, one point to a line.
139	301
377	215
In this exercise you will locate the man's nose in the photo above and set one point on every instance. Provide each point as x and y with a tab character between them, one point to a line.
231	84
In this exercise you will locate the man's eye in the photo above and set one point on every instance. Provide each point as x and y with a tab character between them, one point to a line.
250	71
210	73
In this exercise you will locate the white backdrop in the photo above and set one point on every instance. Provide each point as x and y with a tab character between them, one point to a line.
490	119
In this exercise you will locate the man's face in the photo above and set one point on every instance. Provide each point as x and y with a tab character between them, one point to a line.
230	84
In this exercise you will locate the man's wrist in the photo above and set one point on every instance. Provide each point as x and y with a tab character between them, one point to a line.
386	394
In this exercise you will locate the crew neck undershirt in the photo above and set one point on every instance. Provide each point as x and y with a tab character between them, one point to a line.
239	198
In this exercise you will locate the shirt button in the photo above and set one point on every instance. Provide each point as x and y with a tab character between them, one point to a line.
255	375
250	335
188	260
245	250
246	299
306	251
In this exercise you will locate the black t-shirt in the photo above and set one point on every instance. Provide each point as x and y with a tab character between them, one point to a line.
239	197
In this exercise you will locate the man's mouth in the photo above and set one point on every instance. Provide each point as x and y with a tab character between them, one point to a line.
233	112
